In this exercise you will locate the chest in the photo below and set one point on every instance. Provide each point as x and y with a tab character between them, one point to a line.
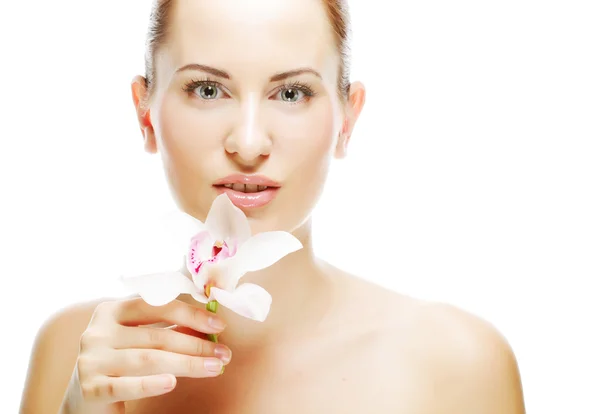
350	379
316	393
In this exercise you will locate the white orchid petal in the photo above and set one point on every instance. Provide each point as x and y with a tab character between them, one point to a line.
200	297
206	248
201	278
219	274
248	300
158	289
263	250
227	222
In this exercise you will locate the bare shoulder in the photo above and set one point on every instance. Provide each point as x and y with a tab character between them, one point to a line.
455	361
53	357
468	364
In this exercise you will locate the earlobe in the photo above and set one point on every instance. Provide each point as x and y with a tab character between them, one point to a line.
138	94
343	139
149	140
354	106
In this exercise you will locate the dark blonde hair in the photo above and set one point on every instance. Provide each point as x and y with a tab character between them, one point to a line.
339	18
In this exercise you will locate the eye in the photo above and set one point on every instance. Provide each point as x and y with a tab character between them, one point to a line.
291	95
205	89
295	92
208	91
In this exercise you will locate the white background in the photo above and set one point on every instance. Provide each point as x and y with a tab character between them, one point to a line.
473	175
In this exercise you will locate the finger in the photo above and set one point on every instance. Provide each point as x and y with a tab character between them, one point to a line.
188	331
109	390
169	340
141	362
134	312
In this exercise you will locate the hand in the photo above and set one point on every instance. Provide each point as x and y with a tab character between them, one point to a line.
119	360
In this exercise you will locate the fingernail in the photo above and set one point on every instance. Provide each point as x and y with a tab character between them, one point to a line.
167	382
213	365
216	323
223	353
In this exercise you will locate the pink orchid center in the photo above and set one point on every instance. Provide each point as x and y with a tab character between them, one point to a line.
202	251
217	248
219	251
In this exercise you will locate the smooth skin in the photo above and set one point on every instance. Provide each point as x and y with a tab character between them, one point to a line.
333	343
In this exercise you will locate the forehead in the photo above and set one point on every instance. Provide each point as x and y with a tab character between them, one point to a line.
260	35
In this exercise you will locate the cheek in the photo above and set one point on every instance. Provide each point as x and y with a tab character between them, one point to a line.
305	145
187	137
307	138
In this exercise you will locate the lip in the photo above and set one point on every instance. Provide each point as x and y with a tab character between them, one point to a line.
247	201
248	179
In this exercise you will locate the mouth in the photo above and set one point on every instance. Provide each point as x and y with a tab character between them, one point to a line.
248	192
246	188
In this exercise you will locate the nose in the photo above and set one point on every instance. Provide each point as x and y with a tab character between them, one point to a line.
249	141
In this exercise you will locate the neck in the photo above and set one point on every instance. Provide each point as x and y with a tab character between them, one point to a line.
300	286
296	283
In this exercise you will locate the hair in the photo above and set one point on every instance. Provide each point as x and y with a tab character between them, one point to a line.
337	12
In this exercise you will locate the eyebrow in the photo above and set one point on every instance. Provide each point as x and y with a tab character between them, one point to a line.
205	68
222	74
291	73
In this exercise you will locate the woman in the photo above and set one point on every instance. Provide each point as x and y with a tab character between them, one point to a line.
261	92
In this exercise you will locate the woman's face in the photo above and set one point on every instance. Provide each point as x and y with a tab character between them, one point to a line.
246	97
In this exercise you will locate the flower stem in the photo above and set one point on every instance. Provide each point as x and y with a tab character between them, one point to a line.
212	306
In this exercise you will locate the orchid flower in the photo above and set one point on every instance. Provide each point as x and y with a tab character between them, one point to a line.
218	254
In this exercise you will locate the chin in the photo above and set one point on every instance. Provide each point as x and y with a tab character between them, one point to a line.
282	215
286	210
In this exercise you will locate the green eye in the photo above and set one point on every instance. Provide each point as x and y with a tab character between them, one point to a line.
295	92
205	89
291	95
208	92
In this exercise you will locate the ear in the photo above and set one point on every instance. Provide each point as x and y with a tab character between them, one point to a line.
139	92
352	110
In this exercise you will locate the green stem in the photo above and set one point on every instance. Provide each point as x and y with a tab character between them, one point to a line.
212	306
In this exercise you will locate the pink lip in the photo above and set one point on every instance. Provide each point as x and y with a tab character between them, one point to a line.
248	200
247	179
